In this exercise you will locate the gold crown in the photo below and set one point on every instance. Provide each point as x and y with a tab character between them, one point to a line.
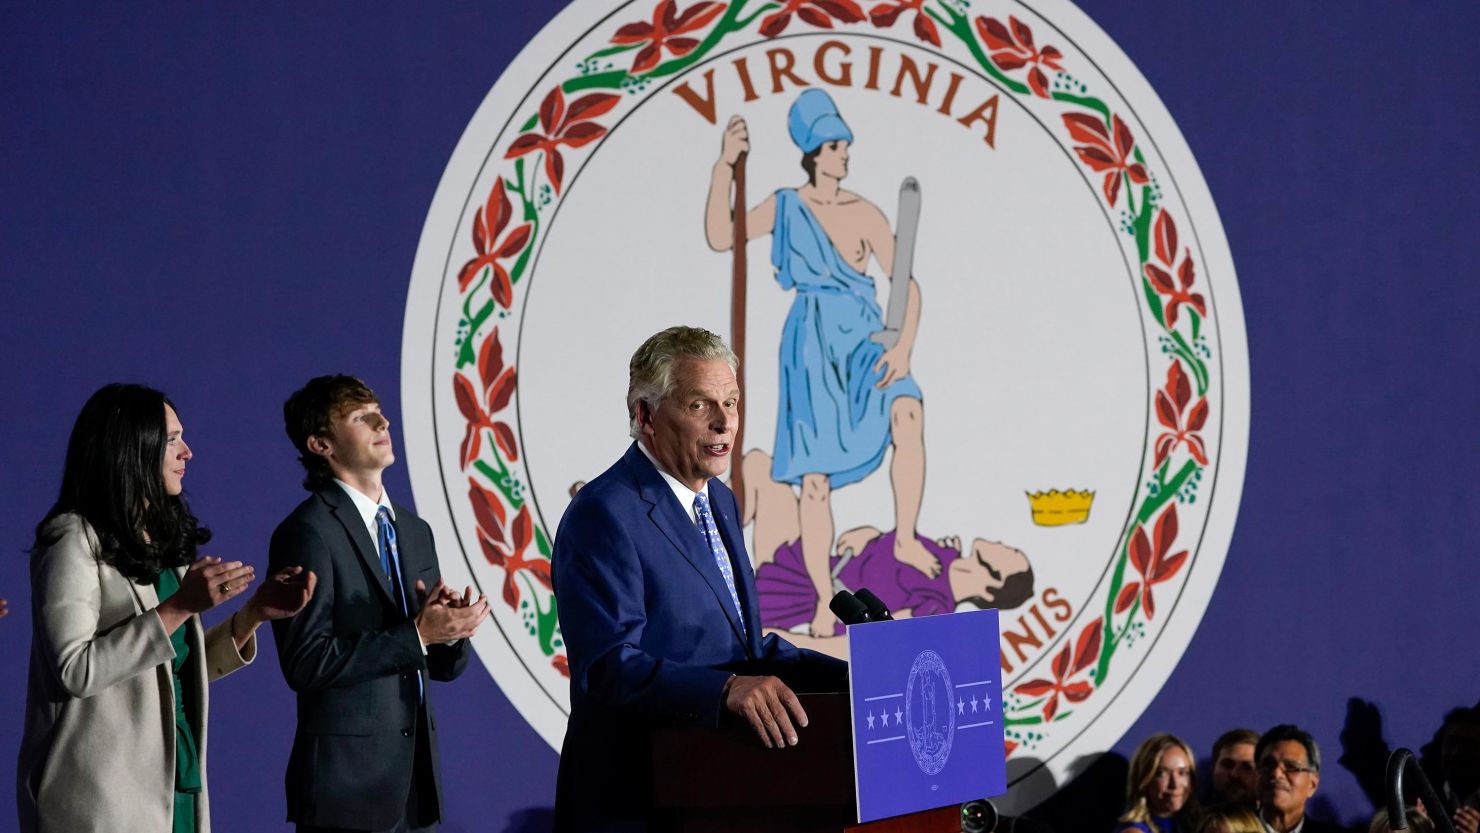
1056	508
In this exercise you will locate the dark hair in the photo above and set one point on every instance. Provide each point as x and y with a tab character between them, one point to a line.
1016	589
113	478
310	412
1287	731
1234	737
809	164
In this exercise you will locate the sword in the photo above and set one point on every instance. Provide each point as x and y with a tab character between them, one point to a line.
904	262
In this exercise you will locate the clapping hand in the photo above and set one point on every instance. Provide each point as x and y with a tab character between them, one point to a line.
206	583
1467	820
282	595
446	616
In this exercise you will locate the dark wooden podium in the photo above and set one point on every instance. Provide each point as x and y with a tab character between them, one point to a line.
725	781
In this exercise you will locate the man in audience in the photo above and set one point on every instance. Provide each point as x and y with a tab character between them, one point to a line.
1234	780
1459	768
1289	766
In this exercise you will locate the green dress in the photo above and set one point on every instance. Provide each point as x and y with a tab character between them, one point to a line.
187	756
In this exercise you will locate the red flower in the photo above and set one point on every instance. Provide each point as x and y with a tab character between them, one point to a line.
884	15
1014	50
1009	746
498	383
1086	650
845	11
1178	292
1151	562
488	224
562	665
1111	159
1171	401
667	24
513	560
488	510
571	127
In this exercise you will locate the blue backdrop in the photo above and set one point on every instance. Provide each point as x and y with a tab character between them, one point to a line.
223	202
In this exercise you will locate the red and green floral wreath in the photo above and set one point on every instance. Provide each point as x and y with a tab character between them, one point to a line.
570	119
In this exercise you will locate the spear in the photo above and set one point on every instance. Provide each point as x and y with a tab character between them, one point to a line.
737	326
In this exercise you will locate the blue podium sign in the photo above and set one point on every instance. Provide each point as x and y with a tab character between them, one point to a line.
926	696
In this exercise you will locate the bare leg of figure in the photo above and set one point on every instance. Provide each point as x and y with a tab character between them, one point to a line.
771	505
907	472
817	540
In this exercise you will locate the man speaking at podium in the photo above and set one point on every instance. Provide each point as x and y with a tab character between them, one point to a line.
657	599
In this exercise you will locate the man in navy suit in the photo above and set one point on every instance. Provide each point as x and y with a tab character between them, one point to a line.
381	627
658	605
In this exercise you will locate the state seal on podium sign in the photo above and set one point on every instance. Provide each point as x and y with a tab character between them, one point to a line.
929	712
993	353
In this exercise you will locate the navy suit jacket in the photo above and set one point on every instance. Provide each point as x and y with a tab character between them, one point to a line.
353	657
652	636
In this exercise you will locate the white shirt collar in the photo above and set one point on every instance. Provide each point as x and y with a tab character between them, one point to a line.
683	493
367	507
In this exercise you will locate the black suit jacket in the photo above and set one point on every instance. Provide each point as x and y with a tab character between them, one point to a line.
353	658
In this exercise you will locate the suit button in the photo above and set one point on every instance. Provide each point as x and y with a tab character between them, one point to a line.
405	733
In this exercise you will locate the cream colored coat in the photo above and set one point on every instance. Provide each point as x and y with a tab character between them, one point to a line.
98	753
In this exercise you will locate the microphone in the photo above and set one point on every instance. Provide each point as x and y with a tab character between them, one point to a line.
848	609
877	612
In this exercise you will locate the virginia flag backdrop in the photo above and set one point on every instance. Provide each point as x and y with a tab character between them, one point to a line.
222	203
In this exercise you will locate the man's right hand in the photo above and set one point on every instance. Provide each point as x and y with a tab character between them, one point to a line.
440	621
768	706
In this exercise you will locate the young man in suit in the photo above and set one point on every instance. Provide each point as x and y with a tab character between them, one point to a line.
658	605
380	627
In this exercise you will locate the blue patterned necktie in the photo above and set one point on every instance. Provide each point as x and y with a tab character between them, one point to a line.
717	549
390	561
390	558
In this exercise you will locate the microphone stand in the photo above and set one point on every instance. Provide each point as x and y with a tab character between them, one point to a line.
1400	760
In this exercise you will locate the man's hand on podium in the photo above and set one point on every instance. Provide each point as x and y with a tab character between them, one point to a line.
764	702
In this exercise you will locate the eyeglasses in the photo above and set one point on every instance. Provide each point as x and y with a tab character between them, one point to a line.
1291	768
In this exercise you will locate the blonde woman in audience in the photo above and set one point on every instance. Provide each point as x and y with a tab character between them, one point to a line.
1159	789
1418	821
1230	818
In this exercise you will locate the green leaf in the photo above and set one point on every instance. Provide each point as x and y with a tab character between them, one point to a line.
612	50
1153	301
547	626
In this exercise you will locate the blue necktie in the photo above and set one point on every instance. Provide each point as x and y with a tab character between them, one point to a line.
390	561
717	549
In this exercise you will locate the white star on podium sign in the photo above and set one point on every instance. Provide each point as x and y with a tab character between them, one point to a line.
960	706
871	720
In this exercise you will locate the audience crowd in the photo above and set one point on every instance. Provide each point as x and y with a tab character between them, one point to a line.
1263	783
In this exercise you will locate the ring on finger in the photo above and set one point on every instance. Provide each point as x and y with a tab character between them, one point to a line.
224	587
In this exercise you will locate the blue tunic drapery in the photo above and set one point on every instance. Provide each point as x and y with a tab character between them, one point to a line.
831	418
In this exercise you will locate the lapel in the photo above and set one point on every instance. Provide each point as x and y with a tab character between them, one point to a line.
676	525
410	544
145	596
344	511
